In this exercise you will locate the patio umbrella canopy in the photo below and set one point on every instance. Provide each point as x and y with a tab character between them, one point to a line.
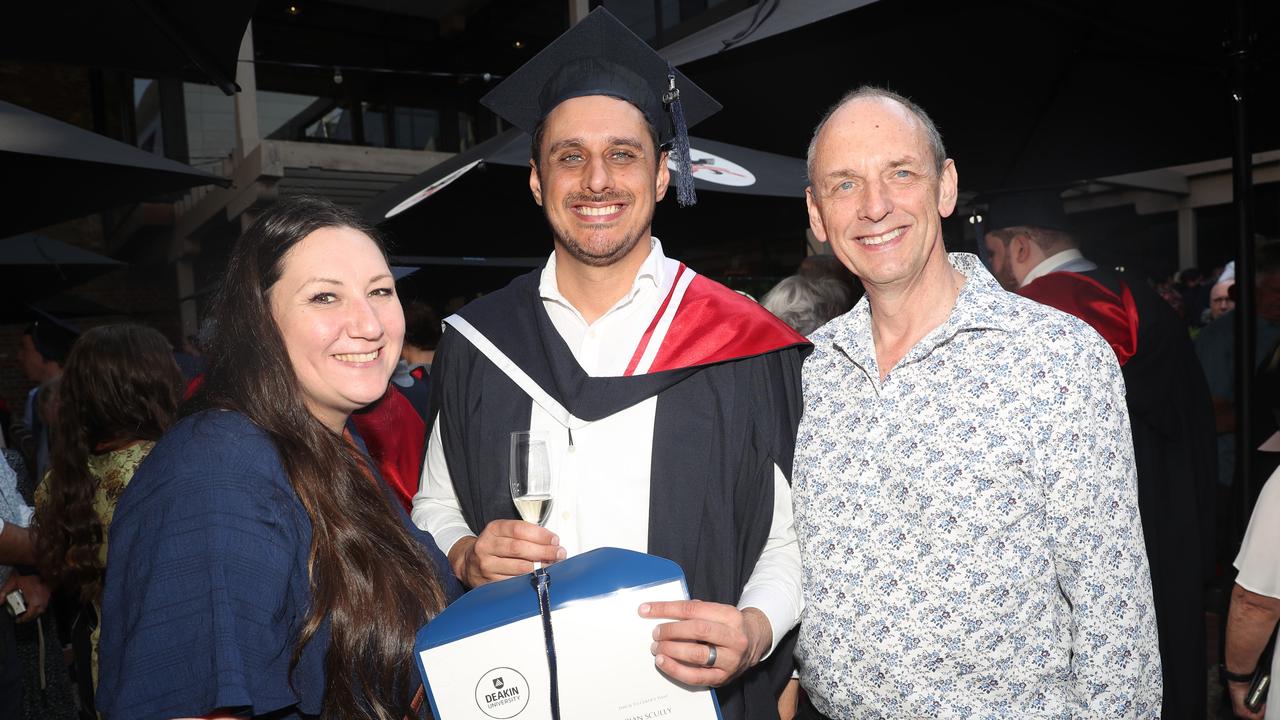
54	171
194	40
33	266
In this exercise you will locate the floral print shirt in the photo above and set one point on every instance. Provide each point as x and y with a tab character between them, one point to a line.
112	470
969	524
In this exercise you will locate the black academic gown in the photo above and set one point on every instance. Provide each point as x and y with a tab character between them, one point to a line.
1171	414
719	430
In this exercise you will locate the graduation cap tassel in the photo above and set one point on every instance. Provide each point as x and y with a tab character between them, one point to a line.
685	193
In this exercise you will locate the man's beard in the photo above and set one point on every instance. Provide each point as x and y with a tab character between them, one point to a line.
1006	278
603	256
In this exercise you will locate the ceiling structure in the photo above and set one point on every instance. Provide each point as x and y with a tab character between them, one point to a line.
1025	93
452	50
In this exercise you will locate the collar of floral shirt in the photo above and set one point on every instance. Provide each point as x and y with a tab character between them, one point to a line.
981	305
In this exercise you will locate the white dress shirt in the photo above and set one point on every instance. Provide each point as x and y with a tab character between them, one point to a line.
602	481
1050	264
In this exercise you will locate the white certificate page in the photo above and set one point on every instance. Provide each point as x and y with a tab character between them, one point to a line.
605	667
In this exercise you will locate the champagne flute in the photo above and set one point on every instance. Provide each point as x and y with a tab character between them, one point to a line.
530	477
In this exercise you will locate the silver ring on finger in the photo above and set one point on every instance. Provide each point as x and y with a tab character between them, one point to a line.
711	656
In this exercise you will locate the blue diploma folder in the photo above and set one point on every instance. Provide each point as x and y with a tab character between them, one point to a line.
503	692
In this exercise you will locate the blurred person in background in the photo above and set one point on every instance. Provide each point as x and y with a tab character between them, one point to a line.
1194	288
41	351
33	680
1255	606
119	393
1221	299
421	335
1170	415
807	303
15	547
1215	345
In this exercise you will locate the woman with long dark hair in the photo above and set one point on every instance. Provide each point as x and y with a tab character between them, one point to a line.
258	565
118	394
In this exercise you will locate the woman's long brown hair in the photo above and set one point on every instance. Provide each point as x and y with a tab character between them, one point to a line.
120	384
369	577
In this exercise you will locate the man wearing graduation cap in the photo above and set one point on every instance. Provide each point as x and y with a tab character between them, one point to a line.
1170	414
670	403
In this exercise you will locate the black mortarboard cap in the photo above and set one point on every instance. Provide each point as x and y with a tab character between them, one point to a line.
51	337
1036	207
601	56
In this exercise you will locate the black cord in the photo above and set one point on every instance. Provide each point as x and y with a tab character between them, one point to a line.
764	9
541	582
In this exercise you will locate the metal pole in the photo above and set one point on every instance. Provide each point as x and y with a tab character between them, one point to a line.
1245	313
246	101
578	9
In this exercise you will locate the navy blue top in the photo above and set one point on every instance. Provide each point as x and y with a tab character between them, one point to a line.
207	585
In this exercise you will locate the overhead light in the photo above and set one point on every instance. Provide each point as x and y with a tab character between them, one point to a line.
294	8
519	44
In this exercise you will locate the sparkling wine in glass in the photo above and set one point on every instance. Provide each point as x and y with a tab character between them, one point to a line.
530	476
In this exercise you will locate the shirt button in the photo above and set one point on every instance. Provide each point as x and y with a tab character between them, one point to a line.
564	515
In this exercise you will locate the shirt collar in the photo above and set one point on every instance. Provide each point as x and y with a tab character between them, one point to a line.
1050	264
650	274
982	304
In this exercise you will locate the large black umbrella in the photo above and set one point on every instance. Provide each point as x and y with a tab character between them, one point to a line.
763	19
33	266
199	40
54	171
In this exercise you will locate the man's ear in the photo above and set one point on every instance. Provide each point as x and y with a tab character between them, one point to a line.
1020	248
948	188
535	182
815	217
663	178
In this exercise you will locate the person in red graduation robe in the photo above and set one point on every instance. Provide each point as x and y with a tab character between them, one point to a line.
1171	415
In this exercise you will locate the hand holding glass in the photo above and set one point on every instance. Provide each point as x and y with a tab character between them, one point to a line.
530	477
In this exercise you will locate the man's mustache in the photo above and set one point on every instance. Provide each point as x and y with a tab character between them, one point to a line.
602	198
